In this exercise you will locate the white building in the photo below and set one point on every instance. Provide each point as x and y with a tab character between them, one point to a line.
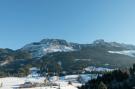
34	76
34	72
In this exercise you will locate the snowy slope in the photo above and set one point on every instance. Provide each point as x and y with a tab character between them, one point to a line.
39	49
130	53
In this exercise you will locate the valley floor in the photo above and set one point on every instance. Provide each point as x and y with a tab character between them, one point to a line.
13	82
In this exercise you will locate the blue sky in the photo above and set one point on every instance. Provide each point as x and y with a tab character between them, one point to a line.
82	21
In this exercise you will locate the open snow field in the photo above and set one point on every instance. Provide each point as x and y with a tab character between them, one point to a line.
13	82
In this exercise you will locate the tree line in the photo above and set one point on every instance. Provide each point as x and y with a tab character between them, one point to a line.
118	79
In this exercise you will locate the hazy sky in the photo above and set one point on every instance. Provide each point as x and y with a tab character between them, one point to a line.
25	21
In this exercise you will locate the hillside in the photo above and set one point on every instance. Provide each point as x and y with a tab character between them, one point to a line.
60	55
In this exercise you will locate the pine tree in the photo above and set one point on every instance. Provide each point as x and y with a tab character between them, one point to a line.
102	86
131	71
133	67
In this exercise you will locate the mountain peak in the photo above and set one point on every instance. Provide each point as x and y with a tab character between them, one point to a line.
39	49
54	41
99	41
51	40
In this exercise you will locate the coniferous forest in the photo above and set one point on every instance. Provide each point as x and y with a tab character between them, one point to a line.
118	79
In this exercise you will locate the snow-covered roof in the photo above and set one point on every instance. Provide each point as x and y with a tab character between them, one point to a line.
34	68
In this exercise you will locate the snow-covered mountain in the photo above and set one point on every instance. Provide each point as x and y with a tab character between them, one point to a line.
71	56
39	49
117	48
45	46
101	42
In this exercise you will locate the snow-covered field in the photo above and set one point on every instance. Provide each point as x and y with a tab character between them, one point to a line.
98	69
13	82
130	53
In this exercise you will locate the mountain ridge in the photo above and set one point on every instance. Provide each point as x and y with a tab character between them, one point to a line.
39	49
73	57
